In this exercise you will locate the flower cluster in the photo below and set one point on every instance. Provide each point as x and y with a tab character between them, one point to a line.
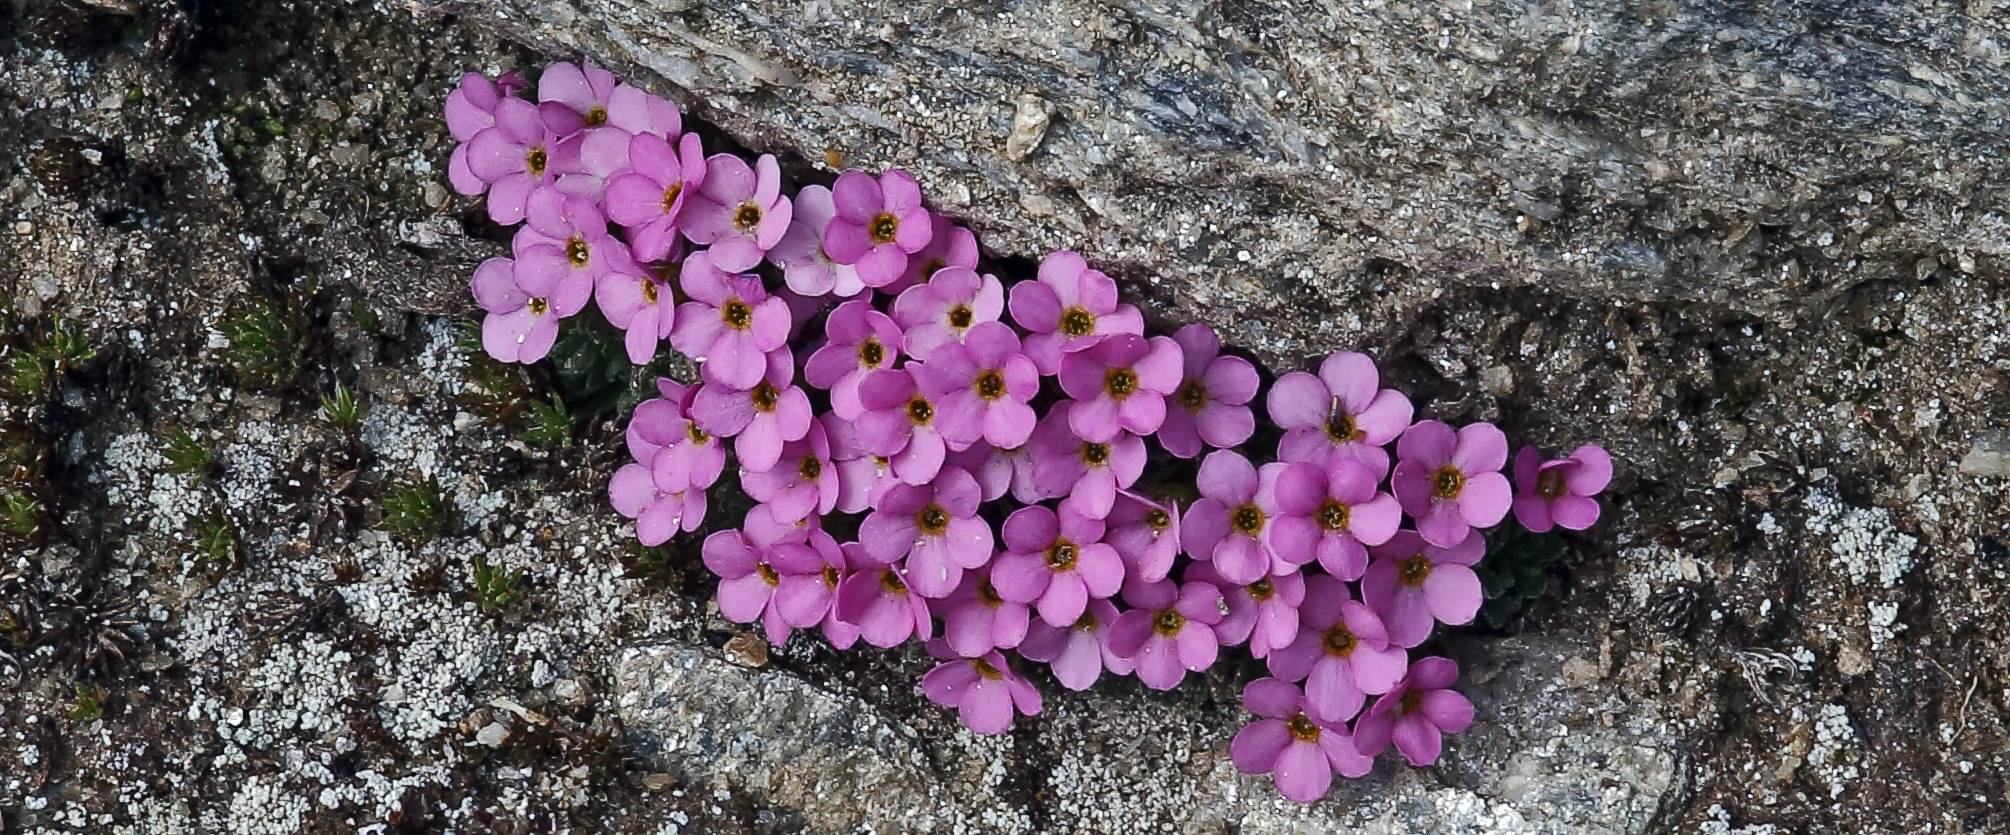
990	443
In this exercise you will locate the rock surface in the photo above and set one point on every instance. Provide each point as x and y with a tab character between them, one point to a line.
1754	249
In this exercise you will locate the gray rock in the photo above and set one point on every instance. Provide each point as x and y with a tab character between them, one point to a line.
1989	456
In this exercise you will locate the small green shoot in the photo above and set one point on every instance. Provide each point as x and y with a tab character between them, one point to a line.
265	344
496	588
186	454
550	425
69	347
90	704
341	408
216	541
20	515
414	508
364	317
1516	571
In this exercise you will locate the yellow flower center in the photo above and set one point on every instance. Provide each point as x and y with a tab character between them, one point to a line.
1061	555
697	436
812	468
1247	519
649	291
1262	590
920	411
596	117
960	316
1087	622
1302	729
991	385
748	217
670	195
535	161
765	396
578	252
1077	322
768	574
1193	395
831	576
1339	641
889	580
1333	515
985	669
1341	428
871	353
1120	382
1168	622
987	594
1158	518
538	306
1447	482
932	520
883	228
1096	455
1414	570
737	314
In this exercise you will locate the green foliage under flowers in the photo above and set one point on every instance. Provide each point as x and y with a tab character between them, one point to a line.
90	704
550	425
216	541
266	342
20	515
341	408
1515	571
186	454
414	508
496	588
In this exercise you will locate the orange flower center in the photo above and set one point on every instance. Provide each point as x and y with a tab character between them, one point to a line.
737	314
670	195
985	669
1339	641
1061	555
1447	482
991	385
1077	322
768	574
883	227
1247	519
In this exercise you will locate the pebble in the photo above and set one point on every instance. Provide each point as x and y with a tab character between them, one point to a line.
22	227
747	650
1989	456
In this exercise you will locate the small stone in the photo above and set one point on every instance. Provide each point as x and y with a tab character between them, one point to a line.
22	227
1989	456
1497	380
1029	127
492	735
658	782
747	650
1580	672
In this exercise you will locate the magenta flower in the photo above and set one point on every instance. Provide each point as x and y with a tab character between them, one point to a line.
514	156
565	240
1069	309
1057	560
1342	652
1079	652
763	418
977	619
1559	493
800	253
730	324
471	109
651	196
1300	750
1089	474
863	478
1264	613
878	224
935	527
585	91
1450	482
521	327
1229	525
948	246
1169	632
658	512
1330	516
980	388
878	600
1211	405
899	424
1414	582
1145	533
1416	714
840	632
584	161
1120	383
738	213
662	436
999	470
1341	412
984	691
802	483
781	584
635	299
635	111
861	340
946	307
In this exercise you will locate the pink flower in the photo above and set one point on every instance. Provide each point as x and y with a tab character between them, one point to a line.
585	160
945	308
1069	309
1120	384
863	478
1089	474
802	483
651	196
585	91
1341	412
1264	613
521	327
1414	582
1170	630
977	619
878	600
1331	516
1229	525
841	633
1146	533
782	583
730	324
980	387
565	240
471	109
935	527
1000	470
1299	749
514	156
659	512
878	224
662	436
1058	561
763	418
984	691
948	246
1416	714
1450	482
739	214
1211	405
861	340
800	253
1342	652
1559	493
1079	652
899	424
636	111
638	301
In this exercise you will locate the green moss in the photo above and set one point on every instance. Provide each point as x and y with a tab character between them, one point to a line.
265	343
496	588
550	425
186	454
414	508
90	703
341	409
1516	571
20	515
216	542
